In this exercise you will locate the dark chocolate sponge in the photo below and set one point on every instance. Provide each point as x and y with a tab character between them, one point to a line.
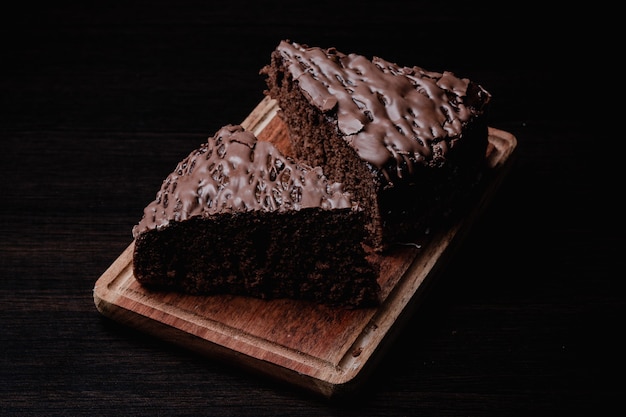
238	217
408	143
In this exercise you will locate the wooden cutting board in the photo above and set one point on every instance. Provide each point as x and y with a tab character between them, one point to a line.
326	350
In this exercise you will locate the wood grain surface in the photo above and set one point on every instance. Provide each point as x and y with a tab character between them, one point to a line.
319	348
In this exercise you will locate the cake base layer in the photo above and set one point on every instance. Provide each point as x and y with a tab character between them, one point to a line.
263	257
326	350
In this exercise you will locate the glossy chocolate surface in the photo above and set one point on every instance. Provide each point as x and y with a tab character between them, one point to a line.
386	112
233	171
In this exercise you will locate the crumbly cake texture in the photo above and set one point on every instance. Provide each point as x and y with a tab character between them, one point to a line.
238	217
408	143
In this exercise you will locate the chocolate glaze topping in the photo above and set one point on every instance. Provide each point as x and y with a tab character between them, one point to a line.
234	172
389	114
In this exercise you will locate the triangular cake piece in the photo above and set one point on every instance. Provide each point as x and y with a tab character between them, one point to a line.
408	143
238	217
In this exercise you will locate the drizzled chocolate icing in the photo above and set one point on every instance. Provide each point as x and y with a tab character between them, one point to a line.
232	172
392	116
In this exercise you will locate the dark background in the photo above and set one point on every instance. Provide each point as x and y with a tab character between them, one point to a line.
100	100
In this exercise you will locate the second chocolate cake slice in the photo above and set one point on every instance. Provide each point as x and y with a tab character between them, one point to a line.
407	142
238	217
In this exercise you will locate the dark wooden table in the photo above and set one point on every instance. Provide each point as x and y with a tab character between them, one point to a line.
99	102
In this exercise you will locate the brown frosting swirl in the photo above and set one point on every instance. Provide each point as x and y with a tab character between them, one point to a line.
234	172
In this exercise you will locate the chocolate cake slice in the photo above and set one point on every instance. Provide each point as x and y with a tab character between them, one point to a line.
238	217
408	143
